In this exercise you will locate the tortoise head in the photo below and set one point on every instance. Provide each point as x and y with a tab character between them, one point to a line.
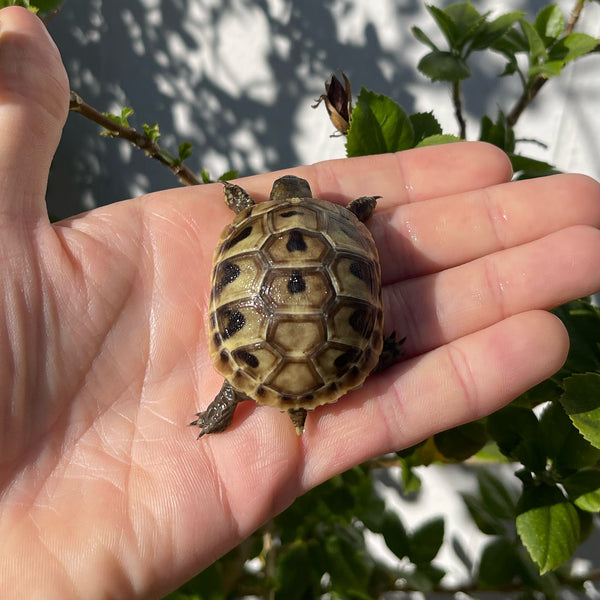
290	186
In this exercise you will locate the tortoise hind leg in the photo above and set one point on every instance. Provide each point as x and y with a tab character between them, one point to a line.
298	417
363	207
390	352
219	413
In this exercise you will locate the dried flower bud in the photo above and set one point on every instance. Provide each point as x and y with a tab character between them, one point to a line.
338	101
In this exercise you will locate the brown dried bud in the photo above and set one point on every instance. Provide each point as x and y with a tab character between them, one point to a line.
338	102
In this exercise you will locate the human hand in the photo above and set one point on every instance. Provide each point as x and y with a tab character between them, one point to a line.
104	490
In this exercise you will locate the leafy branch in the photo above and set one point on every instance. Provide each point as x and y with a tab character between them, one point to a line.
537	81
118	126
548	43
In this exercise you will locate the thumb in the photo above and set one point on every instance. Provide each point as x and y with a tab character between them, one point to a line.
34	100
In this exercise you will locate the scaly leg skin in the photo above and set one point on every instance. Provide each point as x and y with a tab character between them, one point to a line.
390	353
236	197
298	416
219	413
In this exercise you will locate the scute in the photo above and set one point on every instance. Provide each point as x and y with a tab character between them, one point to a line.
296	311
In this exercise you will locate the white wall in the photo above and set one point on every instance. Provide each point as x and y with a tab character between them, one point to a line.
237	78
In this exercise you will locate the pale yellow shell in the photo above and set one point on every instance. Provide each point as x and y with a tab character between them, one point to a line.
296	315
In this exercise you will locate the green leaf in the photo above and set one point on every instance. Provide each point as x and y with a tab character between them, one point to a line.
461	442
424	578
468	21
575	452
572	46
436	140
45	5
581	401
444	66
582	321
498	133
548	526
537	48
426	541
184	151
511	43
151	131
555	428
445	23
498	564
424	125
295	574
486	523
167	156
346	560
411	482
583	488
515	430
423	37
233	174
497	497
494	30
395	535
527	168
205	175
550	23
548	69
378	125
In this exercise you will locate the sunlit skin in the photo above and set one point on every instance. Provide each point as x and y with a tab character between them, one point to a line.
105	491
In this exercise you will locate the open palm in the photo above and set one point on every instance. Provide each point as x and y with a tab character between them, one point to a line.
104	490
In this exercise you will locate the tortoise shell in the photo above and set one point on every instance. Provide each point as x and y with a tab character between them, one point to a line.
296	315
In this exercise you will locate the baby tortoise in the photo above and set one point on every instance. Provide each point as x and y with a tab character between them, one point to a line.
296	314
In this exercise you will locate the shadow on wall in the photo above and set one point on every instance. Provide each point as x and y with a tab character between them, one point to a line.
235	78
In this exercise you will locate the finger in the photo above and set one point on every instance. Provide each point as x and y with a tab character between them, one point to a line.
435	309
454	384
399	178
425	237
33	108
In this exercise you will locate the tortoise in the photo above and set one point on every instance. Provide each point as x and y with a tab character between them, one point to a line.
296	312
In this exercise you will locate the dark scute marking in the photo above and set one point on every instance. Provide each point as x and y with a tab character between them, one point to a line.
235	322
296	283
217	339
361	271
213	320
236	239
343	360
308	397
332	387
247	357
361	320
291	213
237	374
231	272
260	391
224	356
295	241
286	399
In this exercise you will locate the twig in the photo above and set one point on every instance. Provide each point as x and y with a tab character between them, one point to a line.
575	14
535	85
462	124
139	140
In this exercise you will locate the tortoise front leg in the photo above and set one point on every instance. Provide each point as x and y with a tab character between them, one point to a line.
390	352
219	413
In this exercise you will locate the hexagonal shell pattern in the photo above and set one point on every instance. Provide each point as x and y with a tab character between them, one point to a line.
296	315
